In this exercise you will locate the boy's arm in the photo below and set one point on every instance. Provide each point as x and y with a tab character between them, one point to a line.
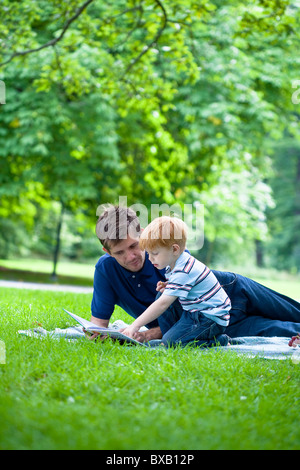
151	313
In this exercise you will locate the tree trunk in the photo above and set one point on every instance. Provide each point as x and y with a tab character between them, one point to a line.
297	205
259	253
57	244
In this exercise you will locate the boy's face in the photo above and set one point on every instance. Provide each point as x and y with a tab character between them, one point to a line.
161	257
128	254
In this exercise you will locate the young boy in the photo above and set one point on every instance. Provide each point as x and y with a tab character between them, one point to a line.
205	304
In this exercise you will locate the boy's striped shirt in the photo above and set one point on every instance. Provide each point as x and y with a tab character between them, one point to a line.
198	289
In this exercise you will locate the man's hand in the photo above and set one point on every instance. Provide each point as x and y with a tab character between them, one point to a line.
98	322
92	336
148	335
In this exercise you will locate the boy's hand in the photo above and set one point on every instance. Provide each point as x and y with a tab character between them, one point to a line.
129	331
160	286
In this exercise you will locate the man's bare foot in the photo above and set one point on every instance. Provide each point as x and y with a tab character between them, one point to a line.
294	341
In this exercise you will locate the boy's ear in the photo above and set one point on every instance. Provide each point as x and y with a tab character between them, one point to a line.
176	248
106	251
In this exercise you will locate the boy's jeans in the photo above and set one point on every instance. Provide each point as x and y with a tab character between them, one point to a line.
194	328
256	310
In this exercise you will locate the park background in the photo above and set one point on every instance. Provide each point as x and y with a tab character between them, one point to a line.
164	102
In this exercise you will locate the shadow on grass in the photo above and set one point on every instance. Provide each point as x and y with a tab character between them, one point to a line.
7	274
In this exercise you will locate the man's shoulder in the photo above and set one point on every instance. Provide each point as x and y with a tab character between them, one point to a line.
105	262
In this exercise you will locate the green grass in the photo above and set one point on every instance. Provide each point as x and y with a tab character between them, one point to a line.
56	394
69	272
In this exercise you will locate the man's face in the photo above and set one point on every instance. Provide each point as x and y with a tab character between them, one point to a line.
128	254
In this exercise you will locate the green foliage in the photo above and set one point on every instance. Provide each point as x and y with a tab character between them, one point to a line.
154	100
284	219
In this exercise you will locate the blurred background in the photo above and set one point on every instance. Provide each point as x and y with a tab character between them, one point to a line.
162	102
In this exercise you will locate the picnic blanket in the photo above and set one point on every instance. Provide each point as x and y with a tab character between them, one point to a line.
251	346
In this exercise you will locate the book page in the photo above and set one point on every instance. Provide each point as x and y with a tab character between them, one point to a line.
89	326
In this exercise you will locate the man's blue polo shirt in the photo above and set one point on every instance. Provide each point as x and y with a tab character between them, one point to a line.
132	291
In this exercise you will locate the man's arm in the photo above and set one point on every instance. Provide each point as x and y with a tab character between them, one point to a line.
99	322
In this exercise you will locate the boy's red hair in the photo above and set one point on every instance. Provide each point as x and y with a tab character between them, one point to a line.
164	232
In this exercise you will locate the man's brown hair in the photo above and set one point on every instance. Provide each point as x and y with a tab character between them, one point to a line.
116	223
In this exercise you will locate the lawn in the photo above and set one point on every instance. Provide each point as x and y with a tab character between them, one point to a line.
56	394
70	272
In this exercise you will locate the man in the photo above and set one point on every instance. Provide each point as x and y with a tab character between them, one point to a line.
124	276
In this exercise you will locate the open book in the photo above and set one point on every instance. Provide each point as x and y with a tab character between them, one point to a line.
111	332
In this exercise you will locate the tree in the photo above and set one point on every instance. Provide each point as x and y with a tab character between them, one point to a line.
284	219
153	99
